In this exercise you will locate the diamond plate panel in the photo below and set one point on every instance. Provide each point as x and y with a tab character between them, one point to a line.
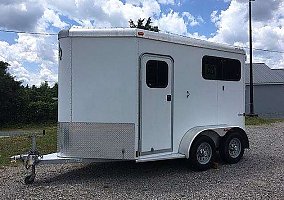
96	140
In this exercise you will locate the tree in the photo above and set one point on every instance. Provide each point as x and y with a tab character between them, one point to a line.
19	104
12	97
42	105
140	25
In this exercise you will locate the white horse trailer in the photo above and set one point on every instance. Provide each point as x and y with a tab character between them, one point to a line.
131	94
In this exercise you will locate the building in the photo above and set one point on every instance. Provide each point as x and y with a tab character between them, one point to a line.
268	91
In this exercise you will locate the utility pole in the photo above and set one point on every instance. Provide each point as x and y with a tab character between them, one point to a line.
251	104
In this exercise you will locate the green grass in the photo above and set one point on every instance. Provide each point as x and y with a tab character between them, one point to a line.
10	146
24	126
261	121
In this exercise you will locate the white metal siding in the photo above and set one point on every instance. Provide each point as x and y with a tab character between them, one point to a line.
201	107
104	80
64	77
230	95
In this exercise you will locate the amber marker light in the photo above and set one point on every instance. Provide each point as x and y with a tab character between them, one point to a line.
140	33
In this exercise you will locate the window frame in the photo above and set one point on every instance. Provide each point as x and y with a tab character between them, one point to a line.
219	65
163	84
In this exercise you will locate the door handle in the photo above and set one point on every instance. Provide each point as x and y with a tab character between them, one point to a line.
187	94
169	97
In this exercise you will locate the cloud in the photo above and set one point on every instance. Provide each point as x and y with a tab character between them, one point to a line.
18	70
214	17
231	24
172	22
262	10
172	2
106	13
177	23
30	56
268	32
9	2
191	20
51	18
20	16
118	13
140	2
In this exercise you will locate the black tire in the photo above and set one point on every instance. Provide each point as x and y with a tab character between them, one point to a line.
232	148
197	160
29	179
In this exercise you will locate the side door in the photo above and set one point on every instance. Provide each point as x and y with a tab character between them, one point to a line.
156	74
230	93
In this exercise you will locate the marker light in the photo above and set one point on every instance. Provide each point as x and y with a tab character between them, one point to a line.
140	33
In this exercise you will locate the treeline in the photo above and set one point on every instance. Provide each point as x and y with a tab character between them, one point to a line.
19	104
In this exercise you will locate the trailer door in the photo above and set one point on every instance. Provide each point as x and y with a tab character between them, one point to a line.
155	104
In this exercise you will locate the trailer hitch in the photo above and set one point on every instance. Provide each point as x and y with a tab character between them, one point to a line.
32	159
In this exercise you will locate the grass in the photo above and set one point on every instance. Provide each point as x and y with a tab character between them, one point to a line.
261	121
10	146
24	126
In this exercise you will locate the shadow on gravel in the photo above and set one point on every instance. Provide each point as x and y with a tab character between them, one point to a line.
135	174
128	170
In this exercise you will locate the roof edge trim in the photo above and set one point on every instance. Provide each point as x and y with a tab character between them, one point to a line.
134	32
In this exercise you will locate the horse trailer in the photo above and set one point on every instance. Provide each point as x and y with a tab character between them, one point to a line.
132	94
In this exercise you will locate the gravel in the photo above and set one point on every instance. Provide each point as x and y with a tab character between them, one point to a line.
259	175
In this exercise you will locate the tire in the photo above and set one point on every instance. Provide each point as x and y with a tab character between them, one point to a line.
232	148
202	153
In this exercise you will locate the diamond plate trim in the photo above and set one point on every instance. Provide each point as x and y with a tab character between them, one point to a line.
96	140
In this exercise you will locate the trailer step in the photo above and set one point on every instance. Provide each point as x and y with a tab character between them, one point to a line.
157	157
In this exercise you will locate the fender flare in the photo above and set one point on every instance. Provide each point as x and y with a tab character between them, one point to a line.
214	132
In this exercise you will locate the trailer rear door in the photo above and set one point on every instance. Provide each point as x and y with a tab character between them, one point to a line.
155	104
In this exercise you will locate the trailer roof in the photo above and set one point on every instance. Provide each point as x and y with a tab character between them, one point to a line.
140	33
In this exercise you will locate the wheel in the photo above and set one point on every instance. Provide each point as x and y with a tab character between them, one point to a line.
29	179
232	148
202	153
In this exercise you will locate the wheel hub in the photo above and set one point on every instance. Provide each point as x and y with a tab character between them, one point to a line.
235	147
204	153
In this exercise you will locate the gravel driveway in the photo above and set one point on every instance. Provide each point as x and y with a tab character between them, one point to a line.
259	175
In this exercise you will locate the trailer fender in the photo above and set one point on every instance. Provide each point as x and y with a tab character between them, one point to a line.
242	133
214	132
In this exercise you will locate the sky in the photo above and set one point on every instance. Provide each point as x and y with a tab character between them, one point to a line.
33	58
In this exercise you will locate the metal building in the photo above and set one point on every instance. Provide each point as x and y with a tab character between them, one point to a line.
268	91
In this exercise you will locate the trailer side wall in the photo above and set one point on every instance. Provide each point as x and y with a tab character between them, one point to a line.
210	102
104	80
103	98
64	78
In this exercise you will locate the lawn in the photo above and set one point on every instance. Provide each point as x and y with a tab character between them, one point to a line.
260	121
10	146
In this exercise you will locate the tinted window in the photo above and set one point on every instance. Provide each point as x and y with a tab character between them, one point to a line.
156	74
224	69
